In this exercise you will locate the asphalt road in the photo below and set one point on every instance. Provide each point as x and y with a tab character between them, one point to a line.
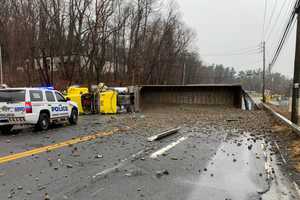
217	154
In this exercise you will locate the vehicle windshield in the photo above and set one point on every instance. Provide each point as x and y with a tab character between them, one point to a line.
12	95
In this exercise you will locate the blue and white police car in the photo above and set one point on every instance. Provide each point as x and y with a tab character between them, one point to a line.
35	106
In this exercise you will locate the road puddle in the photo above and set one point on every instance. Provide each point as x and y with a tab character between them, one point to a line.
242	170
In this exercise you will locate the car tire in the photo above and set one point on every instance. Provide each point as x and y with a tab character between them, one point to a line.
44	122
6	129
73	117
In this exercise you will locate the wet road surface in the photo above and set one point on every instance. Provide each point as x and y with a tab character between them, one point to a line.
215	157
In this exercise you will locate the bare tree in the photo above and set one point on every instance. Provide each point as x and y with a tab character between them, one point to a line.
63	42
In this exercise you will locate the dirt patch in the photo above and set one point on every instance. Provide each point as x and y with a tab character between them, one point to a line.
295	146
162	117
289	143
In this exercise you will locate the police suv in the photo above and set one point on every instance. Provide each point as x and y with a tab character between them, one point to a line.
34	106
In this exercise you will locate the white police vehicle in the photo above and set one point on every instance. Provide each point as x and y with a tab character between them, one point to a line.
34	106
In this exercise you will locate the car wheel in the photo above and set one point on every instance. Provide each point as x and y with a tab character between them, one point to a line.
73	117
6	129
43	123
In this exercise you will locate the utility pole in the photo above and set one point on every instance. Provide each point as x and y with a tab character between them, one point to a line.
264	72
1	67
295	98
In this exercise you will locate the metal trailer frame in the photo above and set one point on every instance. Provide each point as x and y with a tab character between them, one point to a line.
231	95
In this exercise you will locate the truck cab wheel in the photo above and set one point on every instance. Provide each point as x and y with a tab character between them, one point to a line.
43	123
73	117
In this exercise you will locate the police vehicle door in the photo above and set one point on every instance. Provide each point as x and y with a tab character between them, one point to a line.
51	103
37	100
62	107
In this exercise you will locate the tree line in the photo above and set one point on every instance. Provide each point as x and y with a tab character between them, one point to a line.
128	42
119	42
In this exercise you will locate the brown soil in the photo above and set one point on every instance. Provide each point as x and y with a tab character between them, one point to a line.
295	146
289	143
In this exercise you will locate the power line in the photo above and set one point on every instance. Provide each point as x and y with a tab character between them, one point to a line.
273	25
289	12
245	51
241	54
285	34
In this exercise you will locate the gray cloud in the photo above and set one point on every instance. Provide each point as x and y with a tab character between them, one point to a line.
226	27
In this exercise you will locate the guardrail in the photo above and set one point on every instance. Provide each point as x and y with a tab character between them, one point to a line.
293	126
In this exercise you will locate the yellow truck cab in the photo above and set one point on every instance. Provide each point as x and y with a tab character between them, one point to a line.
100	100
75	94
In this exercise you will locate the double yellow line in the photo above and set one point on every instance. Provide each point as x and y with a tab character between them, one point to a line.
32	152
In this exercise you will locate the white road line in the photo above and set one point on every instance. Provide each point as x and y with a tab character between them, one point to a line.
121	164
167	148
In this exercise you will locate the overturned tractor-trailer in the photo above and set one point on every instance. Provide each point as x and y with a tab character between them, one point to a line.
230	95
114	100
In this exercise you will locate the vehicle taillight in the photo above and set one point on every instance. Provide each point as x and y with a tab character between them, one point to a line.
28	107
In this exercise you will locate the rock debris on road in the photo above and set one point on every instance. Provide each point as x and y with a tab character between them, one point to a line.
221	158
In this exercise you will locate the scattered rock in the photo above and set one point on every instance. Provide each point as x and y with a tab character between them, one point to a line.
158	174
128	174
47	197
69	166
28	192
40	187
165	172
20	187
250	146
99	156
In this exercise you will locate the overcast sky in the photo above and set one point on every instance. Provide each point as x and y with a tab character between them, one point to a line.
236	27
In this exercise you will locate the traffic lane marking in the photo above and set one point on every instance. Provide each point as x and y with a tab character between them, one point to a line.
9	158
167	148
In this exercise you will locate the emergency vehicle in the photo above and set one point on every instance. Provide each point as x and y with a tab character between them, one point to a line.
35	106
